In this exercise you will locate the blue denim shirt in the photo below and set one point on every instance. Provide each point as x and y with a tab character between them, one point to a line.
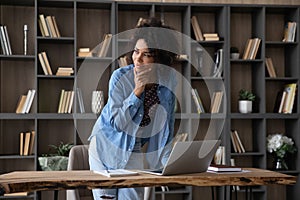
117	128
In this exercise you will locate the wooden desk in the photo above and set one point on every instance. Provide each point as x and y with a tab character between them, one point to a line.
60	180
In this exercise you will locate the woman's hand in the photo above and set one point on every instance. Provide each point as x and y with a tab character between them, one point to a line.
143	75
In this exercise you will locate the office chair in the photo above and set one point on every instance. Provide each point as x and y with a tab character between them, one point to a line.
79	160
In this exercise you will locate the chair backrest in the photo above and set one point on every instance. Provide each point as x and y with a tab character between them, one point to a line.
79	160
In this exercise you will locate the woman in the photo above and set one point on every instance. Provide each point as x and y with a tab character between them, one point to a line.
139	111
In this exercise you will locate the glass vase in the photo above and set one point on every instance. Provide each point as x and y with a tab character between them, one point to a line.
280	164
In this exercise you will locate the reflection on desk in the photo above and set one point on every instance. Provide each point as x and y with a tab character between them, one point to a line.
28	181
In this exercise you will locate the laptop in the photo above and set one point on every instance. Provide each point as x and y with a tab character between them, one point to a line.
188	157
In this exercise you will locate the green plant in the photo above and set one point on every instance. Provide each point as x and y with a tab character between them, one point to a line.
234	50
246	95
62	149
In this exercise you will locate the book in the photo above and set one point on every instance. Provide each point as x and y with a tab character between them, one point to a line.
44	28
67	101
290	90
64	71
219	157
219	62
270	67
196	28
239	144
84	49
50	26
55	26
21	104
2	42
44	54
64	101
224	168
29	103
247	49
196	101
16	194
28	96
80	100
211	38
210	35
31	143
3	36
21	144
199	100
216	102
289	32
105	45
85	54
254	50
234	142
26	143
71	101
122	61
7	40
42	62
60	104
282	101
116	172
41	28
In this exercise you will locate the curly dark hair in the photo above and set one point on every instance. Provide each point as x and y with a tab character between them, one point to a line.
160	41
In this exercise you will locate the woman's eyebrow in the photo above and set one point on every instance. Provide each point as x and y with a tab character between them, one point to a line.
137	49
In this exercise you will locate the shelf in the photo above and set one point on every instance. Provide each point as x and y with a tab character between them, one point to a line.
83	23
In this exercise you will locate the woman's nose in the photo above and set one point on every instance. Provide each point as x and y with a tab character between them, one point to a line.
140	57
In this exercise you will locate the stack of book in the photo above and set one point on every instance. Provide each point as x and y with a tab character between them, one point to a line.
196	28
64	71
104	45
289	32
5	43
84	52
211	37
27	143
287	98
45	63
237	144
216	102
251	48
223	168
25	102
66	101
48	26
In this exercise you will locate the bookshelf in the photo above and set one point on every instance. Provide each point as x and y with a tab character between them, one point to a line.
83	24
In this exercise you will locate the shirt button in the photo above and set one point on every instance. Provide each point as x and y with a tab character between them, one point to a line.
140	115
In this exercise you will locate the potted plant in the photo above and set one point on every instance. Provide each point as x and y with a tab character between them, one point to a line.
245	101
234	53
56	161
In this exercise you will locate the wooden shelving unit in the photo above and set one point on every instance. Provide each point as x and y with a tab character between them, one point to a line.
83	24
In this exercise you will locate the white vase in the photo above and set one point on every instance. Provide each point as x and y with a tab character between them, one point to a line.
97	101
234	55
245	106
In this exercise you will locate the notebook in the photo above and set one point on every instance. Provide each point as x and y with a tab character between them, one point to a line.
188	157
